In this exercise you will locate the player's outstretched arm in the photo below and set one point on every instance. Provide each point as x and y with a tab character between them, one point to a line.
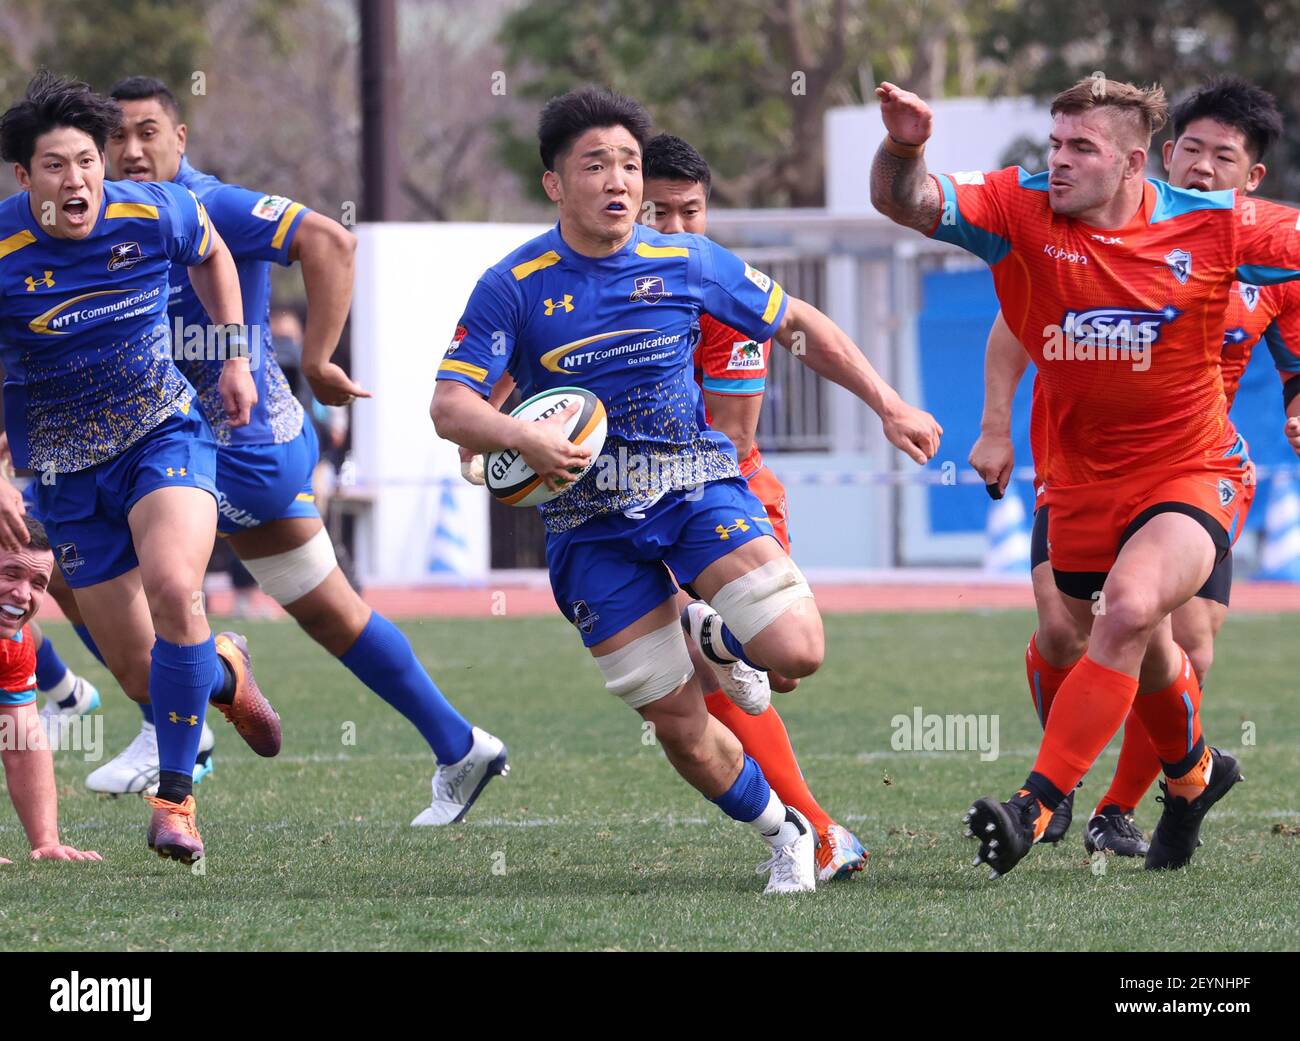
29	774
461	415
216	283
327	252
901	186
993	456
827	349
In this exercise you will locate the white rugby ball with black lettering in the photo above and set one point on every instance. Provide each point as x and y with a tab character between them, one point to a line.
512	480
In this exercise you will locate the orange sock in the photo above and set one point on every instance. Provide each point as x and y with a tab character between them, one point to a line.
1088	710
1173	719
1045	679
764	739
1137	769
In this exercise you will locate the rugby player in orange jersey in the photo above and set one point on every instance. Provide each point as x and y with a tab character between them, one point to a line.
24	746
1222	132
1117	286
732	371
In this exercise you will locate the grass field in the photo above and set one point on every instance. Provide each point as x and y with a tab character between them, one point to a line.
593	842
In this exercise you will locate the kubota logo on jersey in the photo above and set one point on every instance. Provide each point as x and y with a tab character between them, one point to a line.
574	355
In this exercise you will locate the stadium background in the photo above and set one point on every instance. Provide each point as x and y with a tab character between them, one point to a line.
423	113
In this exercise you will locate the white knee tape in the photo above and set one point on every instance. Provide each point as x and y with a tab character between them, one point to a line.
649	668
751	603
287	577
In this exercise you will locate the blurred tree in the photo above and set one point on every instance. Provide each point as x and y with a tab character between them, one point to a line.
1042	46
747	82
117	38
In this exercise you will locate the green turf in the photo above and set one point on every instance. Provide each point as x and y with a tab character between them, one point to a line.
593	842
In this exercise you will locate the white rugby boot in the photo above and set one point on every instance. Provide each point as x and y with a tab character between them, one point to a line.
745	686
742	683
792	868
86	700
135	770
457	785
132	770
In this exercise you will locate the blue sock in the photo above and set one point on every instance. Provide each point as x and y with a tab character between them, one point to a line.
147	712
50	669
748	796
222	687
89	641
180	678
736	650
383	660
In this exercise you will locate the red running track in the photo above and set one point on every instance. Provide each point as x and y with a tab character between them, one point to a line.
529	600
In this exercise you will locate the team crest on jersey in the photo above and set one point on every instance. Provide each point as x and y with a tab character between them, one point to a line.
649	289
271	207
1226	492
124	255
583	616
1180	263
69	559
457	337
745	357
1249	295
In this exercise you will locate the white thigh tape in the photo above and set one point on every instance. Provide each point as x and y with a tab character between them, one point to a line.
752	602
290	576
649	668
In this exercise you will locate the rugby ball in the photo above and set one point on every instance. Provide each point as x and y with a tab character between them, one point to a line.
512	480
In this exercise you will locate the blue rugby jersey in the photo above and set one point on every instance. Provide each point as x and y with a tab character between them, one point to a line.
83	324
257	229
625	328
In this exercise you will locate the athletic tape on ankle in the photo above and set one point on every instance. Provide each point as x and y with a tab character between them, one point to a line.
649	668
290	576
752	602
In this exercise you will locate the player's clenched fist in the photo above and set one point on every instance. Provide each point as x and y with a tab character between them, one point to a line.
905	115
1293	433
548	450
912	430
993	456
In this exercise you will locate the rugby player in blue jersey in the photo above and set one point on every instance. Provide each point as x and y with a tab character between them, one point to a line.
603	302
265	503
95	405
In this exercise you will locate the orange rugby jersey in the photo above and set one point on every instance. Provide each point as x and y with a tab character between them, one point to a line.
1124	325
728	362
18	668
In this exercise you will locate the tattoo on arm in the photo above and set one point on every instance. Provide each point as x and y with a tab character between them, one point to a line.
903	190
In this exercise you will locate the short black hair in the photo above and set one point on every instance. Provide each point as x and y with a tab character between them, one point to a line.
37	536
1234	102
141	88
669	158
52	102
568	117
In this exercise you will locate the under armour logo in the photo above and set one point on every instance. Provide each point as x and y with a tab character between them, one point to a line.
566	303
48	280
174	472
724	531
189	720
